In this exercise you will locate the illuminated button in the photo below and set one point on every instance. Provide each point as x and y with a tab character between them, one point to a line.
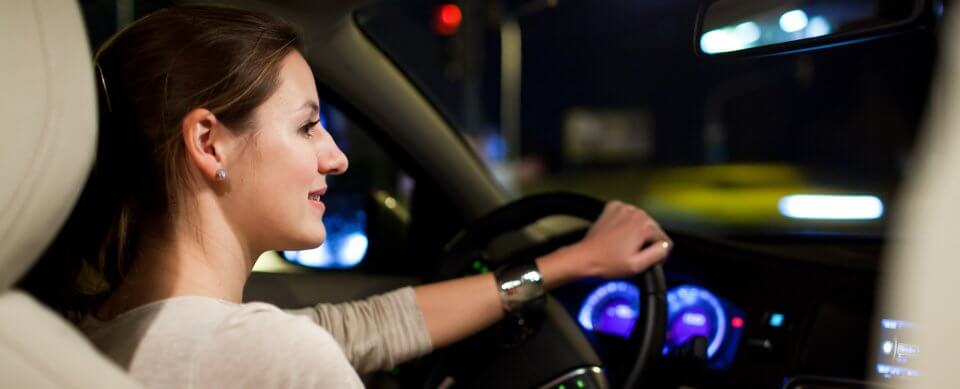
736	322
776	320
887	347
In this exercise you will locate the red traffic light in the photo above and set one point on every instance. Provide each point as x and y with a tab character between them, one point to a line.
447	19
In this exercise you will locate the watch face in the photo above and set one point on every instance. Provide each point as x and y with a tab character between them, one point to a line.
521	287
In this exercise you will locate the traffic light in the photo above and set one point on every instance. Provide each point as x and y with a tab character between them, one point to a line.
446	19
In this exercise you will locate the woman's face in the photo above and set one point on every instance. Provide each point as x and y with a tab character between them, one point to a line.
279	176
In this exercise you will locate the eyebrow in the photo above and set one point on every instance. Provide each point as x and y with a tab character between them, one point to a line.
312	105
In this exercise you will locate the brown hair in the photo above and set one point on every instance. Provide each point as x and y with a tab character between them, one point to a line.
151	74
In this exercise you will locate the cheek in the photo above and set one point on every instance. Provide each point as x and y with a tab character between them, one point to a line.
274	202
285	160
275	173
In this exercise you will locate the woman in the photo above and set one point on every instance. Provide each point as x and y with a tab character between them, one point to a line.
210	153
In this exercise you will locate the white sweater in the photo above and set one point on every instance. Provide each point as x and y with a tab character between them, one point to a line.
202	342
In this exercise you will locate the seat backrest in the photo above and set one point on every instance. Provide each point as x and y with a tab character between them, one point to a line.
923	282
47	145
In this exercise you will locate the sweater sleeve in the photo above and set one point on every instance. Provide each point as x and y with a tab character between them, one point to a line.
376	333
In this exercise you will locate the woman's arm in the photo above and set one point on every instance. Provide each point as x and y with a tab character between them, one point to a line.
624	241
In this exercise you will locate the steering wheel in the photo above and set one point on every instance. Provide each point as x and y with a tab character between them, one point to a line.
545	347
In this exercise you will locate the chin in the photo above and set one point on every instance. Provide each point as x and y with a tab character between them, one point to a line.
306	240
317	238
305	236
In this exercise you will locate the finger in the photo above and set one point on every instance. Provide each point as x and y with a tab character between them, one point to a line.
666	245
658	235
651	233
649	256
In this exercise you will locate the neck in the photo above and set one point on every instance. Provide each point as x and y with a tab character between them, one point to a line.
199	257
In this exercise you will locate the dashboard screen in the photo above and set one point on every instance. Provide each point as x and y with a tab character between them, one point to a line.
898	351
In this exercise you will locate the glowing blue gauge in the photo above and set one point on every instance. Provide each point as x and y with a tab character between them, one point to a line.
612	308
691	312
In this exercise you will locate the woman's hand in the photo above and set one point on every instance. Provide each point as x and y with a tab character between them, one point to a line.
622	242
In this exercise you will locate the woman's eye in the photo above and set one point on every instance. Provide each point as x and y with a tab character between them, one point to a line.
308	128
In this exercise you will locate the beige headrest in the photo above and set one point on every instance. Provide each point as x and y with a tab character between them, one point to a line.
924	268
48	126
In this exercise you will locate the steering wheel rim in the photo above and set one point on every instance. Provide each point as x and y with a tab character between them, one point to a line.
465	246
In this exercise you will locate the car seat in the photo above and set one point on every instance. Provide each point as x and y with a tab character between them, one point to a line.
49	136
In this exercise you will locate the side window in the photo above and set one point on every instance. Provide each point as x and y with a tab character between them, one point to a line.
367	214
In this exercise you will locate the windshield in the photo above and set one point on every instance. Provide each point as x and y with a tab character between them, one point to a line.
610	98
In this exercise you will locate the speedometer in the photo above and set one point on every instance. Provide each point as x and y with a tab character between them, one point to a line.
694	312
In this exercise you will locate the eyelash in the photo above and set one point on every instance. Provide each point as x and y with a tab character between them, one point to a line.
307	128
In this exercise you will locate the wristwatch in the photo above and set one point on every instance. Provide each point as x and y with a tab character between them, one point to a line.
520	287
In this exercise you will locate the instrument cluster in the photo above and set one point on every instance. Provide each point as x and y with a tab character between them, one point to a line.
700	325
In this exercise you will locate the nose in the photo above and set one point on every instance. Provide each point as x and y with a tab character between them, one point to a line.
332	160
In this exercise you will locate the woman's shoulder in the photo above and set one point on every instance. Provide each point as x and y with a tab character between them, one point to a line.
206	322
205	342
178	317
260	345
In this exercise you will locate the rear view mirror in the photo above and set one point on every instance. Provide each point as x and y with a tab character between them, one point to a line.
728	26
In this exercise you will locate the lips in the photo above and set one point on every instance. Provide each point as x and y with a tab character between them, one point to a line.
316	197
317	194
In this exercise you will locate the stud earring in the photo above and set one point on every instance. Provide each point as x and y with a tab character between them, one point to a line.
221	174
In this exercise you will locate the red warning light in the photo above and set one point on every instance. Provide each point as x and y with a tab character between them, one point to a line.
736	322
447	19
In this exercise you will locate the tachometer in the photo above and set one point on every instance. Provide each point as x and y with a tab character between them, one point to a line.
611	308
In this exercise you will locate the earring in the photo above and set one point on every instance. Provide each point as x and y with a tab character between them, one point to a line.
221	174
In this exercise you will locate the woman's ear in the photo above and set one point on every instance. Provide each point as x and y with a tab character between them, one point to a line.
204	138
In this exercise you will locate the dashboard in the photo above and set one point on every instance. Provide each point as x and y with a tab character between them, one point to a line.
754	315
